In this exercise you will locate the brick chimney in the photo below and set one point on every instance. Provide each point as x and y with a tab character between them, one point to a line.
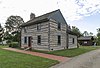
32	16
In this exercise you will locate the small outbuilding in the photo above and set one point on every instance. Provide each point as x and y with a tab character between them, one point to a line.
86	40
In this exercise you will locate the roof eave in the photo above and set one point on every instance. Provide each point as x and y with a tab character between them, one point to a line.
35	22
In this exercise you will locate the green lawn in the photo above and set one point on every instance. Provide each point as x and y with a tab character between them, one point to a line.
72	52
3	46
10	59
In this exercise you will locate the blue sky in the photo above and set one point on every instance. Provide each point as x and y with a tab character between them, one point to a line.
89	23
83	14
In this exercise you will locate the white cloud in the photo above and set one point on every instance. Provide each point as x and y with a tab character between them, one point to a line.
89	8
77	9
23	8
71	9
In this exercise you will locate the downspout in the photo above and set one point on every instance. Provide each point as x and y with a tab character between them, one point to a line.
49	36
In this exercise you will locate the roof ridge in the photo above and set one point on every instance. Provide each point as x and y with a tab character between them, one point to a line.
45	14
48	13
41	17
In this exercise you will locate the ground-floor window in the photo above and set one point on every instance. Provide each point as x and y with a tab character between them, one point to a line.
73	41
85	42
25	40
59	40
39	39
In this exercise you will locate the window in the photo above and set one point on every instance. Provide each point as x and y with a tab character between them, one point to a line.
25	31
25	40
59	26
39	39
85	42
59	40
73	41
38	26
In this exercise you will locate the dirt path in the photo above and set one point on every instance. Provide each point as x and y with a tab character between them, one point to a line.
87	60
59	58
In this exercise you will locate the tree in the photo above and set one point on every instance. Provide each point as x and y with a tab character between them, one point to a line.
98	36
90	34
76	31
13	23
98	30
85	33
7	37
12	26
1	34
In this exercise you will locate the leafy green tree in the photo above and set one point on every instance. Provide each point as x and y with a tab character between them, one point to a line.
1	33
7	37
85	33
13	23
12	26
98	30
98	36
76	31
90	34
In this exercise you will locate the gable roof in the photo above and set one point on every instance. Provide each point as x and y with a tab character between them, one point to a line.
86	38
43	18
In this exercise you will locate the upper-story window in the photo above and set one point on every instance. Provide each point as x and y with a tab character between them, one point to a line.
59	26
38	26
25	30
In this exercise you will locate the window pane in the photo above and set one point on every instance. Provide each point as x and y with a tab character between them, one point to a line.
59	26
59	39
25	31
39	39
73	41
85	42
38	26
25	39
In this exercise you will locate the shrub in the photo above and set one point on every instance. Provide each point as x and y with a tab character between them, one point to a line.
8	41
13	44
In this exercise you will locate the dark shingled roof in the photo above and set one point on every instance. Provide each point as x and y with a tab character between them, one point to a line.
86	38
39	19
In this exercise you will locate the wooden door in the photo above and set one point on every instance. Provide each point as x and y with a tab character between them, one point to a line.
29	41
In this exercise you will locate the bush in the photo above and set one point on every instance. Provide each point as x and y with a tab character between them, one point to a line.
8	41
13	44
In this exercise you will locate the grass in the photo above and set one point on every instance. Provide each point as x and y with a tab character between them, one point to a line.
10	59
72	52
4	46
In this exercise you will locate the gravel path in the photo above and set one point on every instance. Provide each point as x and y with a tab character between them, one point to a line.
87	60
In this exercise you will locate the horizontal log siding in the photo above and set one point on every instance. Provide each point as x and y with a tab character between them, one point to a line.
71	44
32	31
54	32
